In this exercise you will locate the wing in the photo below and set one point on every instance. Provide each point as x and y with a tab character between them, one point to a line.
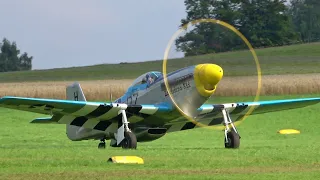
239	110
210	114
93	115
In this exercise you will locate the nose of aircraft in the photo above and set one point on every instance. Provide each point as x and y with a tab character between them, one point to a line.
210	75
207	76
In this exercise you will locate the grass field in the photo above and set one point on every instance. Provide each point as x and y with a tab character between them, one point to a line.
31	151
295	59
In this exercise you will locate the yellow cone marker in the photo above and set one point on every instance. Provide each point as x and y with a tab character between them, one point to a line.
126	160
289	131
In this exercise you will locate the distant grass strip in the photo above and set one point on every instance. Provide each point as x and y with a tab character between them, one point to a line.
295	59
229	86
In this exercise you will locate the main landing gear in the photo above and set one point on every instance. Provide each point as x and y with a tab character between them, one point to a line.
232	137
123	137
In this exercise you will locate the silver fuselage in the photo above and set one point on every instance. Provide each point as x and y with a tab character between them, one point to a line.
184	93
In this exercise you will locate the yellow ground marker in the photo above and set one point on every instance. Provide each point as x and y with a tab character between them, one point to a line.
289	131
126	160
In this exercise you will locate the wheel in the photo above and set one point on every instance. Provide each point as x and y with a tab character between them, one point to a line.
129	141
102	145
233	140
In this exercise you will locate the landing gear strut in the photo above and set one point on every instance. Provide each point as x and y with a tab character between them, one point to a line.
232	137
124	137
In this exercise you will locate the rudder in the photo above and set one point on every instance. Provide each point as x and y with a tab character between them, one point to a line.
74	92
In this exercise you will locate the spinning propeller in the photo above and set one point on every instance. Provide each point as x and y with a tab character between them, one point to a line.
208	77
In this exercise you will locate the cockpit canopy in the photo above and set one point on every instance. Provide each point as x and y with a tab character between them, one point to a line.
147	78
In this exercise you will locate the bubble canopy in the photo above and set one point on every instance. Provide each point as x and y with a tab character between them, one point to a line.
147	78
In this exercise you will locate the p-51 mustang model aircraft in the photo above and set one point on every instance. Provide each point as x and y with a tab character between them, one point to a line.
146	112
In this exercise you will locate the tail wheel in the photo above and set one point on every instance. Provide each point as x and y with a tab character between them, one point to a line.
101	146
130	141
233	140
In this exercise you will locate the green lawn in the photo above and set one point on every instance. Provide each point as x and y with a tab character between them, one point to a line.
295	59
31	151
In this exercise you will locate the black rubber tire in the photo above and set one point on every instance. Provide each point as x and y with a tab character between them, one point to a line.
102	146
130	141
234	140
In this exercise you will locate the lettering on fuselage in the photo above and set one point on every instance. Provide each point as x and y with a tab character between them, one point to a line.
177	84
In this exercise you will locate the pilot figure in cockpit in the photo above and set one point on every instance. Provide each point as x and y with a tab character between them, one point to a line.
150	79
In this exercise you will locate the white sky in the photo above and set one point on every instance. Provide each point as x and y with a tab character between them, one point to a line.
64	33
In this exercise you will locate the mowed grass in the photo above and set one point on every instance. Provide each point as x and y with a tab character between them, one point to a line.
30	151
295	59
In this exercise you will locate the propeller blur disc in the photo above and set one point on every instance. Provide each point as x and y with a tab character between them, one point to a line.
234	30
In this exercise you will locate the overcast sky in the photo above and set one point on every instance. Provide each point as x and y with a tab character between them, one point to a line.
64	33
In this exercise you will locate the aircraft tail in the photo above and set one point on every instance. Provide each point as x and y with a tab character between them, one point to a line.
74	92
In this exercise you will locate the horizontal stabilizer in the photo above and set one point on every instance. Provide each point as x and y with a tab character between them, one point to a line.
45	120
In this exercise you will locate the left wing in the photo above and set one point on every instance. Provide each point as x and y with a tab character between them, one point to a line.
258	107
210	114
92	115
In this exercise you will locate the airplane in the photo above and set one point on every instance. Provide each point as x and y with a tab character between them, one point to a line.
146	111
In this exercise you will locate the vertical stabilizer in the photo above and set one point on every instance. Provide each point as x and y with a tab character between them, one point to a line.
74	92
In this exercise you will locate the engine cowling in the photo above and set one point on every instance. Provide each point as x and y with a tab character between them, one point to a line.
149	134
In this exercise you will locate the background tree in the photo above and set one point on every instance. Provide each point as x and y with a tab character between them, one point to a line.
305	16
10	59
206	37
266	23
263	22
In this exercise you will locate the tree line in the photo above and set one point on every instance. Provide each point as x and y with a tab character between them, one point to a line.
264	23
10	58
